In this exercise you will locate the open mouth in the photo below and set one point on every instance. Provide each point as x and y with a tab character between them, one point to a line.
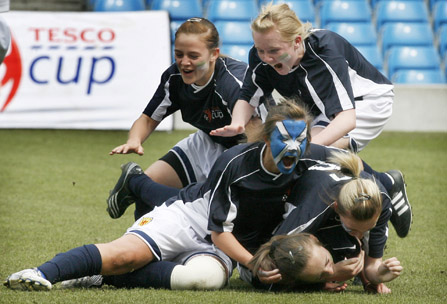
278	66
288	161
187	71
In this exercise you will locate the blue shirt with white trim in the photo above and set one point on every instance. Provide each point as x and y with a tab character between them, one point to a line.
331	76
206	108
314	194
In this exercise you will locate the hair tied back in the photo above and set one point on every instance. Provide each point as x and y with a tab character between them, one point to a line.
363	197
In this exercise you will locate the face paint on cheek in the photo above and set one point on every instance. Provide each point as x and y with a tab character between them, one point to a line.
284	58
288	140
202	65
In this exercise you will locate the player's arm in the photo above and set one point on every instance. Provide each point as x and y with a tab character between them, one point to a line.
242	113
378	271
231	246
140	131
342	124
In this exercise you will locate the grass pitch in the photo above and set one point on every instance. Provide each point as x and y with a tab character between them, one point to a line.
54	183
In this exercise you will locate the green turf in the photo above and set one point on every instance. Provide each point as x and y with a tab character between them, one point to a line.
53	186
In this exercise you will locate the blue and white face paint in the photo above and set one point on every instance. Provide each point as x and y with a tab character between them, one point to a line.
288	143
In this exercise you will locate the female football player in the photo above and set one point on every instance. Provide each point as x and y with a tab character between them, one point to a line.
204	87
350	99
236	208
330	198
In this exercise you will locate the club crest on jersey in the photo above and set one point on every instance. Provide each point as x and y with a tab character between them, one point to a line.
145	221
214	113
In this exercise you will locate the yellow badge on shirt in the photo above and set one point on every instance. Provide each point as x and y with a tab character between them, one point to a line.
144	221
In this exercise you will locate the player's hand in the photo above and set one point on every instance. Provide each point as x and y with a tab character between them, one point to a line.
390	269
269	277
128	148
335	287
349	268
228	131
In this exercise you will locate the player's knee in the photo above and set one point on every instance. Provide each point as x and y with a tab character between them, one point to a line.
119	261
201	272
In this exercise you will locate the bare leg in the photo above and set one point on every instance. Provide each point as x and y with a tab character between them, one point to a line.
124	255
162	173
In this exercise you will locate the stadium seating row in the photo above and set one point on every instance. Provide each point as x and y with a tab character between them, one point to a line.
387	32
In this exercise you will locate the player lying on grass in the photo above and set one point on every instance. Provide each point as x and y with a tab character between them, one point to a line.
150	238
313	261
228	216
335	199
334	203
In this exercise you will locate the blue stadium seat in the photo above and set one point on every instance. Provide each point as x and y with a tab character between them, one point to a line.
442	40
304	9
147	2
401	34
234	32
374	2
434	76
400	11
372	54
179	9
317	3
236	51
412	58
175	24
439	14
232	10
357	34
432	3
344	11
118	5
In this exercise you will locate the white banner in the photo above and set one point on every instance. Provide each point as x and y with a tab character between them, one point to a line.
84	70
4	6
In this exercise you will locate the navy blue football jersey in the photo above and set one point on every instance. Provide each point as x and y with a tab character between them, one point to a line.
331	75
242	197
313	196
206	108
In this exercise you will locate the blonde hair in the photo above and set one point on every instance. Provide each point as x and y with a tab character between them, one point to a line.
360	197
281	17
287	108
288	253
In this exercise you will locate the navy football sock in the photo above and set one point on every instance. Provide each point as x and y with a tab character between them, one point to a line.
149	194
155	275
381	176
75	263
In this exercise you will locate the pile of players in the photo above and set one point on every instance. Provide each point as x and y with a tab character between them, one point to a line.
273	187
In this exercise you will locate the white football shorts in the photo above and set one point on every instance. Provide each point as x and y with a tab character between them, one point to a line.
371	116
197	154
171	237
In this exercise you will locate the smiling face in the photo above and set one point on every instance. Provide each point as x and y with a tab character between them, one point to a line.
288	143
279	54
319	267
194	60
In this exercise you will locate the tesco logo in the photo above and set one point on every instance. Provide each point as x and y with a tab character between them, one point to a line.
78	57
72	35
